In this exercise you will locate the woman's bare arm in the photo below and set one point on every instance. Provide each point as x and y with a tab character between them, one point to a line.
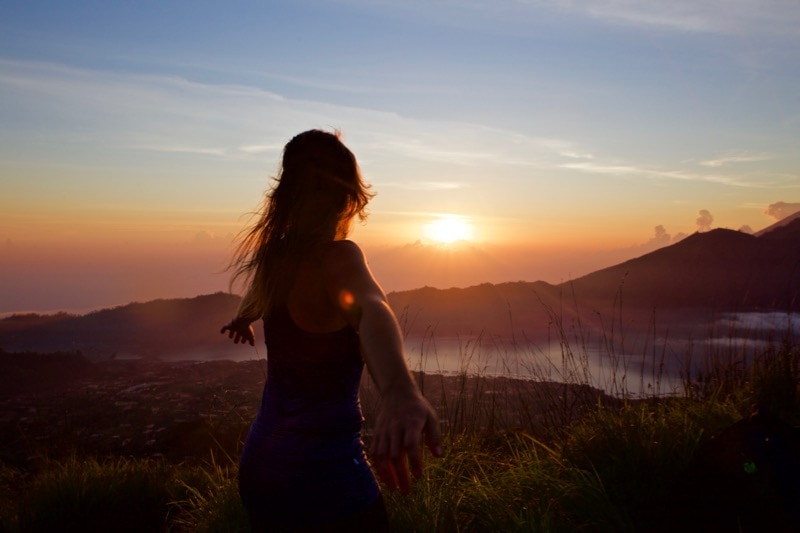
405	415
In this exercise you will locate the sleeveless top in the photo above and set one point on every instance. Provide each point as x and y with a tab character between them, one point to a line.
312	378
303	460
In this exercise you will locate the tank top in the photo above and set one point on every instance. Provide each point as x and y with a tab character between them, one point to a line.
312	378
303	460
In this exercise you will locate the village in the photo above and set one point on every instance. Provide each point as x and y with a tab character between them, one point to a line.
139	408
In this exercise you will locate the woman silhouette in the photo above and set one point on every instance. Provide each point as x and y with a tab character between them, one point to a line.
303	466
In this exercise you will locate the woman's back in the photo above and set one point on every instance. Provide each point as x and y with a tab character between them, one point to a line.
313	357
309	299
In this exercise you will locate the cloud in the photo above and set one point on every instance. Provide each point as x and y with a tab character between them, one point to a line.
576	155
661	237
701	16
697	16
426	185
197	150
164	114
781	210
274	148
430	149
650	173
735	159
704	220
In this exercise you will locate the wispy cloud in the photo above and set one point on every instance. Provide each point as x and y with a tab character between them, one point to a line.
198	150
707	16
261	148
168	114
727	160
716	16
159	113
431	150
621	170
426	185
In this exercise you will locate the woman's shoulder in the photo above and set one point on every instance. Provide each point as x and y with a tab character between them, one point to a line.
342	251
343	262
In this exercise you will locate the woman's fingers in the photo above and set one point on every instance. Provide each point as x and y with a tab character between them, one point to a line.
411	446
397	452
239	334
380	455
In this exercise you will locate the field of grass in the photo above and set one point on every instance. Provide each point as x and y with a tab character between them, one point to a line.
561	456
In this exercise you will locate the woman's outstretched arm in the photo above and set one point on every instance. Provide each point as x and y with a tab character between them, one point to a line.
405	415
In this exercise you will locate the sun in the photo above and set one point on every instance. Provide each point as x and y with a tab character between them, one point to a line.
448	229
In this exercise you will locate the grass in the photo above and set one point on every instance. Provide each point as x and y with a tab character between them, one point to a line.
558	457
90	495
121	494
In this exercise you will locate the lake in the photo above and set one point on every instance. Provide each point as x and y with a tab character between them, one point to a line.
640	364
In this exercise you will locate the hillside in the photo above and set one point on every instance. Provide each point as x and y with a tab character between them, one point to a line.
721	270
152	329
704	274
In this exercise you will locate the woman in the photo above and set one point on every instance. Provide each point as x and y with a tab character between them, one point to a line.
303	465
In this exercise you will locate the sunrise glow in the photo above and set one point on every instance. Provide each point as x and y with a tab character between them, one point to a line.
525	141
449	229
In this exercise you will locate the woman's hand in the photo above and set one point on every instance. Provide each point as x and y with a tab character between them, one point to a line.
404	418
240	330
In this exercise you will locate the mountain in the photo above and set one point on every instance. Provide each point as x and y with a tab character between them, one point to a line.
720	269
152	329
782	222
717	271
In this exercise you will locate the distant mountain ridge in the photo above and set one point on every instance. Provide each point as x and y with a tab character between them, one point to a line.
152	329
721	270
786	221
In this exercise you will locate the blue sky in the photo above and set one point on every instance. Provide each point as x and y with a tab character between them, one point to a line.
547	124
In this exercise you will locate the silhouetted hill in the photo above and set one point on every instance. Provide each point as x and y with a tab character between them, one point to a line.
152	329
492	309
721	270
782	222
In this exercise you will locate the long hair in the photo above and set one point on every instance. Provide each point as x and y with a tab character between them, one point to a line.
316	195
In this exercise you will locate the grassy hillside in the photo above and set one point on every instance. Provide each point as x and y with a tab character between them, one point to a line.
153	447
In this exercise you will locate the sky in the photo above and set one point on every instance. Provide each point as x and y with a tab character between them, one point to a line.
553	137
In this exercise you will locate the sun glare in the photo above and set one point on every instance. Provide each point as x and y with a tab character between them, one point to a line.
449	229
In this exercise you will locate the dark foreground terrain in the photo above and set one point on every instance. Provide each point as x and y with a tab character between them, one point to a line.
53	405
58	404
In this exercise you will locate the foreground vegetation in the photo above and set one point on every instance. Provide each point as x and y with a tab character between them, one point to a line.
564	458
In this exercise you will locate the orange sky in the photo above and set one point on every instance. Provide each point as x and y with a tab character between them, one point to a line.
569	135
77	264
